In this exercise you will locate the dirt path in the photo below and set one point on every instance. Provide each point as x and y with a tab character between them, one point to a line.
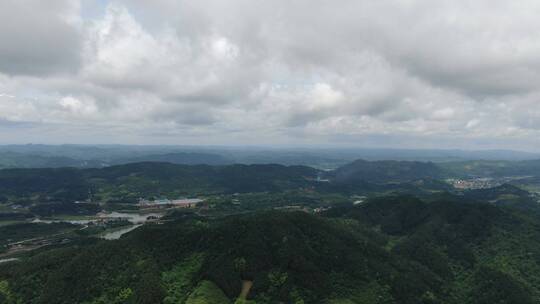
246	287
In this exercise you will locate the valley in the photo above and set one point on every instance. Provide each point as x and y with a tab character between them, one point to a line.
269	152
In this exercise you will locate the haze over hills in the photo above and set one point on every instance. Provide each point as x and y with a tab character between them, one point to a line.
95	156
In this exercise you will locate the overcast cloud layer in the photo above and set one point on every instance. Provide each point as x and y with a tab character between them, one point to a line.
462	74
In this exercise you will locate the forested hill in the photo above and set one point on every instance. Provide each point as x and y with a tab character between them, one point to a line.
150	178
389	250
406	171
20	160
129	182
183	158
385	171
492	168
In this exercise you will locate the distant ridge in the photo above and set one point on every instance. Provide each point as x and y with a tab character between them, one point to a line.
385	171
182	158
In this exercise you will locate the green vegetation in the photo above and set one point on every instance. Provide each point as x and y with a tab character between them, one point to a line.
52	192
21	160
491	168
129	182
385	171
388	232
207	293
18	232
395	249
180	281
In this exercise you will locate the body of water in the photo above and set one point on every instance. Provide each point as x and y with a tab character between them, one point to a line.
116	234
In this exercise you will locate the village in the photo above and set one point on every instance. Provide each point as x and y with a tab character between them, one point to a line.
167	203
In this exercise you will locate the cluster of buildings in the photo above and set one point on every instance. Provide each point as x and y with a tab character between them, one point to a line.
321	209
163	202
108	221
477	183
293	208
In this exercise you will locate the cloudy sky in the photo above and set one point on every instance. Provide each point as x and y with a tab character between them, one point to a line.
386	73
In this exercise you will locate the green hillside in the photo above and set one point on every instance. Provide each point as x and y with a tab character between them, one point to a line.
389	250
132	181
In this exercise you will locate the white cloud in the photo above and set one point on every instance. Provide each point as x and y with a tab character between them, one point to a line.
39	38
472	123
444	114
223	49
83	107
253	71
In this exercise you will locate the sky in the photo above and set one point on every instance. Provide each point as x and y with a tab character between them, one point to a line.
387	73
